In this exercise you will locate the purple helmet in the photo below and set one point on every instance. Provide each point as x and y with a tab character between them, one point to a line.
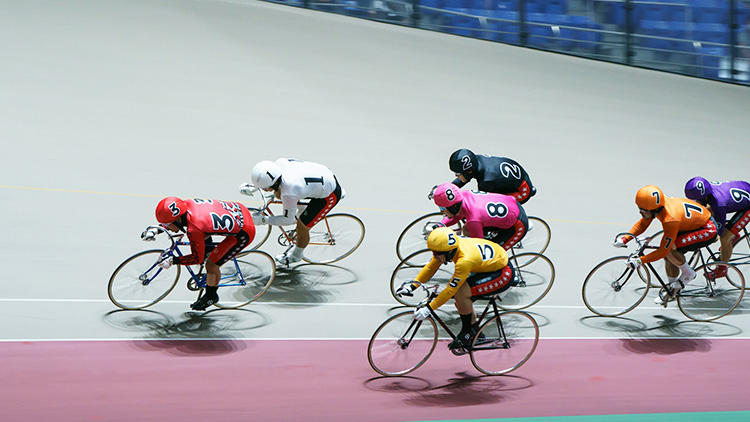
698	189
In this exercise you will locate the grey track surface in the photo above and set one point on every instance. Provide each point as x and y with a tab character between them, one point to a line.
107	106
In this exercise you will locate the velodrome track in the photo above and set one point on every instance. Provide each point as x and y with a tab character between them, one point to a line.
108	106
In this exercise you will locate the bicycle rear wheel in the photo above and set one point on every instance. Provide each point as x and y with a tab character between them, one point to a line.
334	238
611	288
408	269
504	343
708	298
414	236
535	240
401	344
139	283
245	279
534	281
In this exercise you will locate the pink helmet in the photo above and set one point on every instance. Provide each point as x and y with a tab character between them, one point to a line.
447	195
170	209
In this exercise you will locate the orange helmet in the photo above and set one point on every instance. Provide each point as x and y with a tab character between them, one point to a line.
649	198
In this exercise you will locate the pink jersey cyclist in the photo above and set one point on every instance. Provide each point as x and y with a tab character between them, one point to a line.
491	216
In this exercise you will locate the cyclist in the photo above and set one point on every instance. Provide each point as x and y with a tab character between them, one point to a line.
491	216
292	180
481	269
687	226
201	218
723	198
493	174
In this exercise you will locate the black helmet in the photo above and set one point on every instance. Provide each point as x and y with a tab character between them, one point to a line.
463	162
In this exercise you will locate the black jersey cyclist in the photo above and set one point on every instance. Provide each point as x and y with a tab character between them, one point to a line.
493	174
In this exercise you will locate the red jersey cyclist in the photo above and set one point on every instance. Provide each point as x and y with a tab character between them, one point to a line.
491	216
481	269
687	226
292	180
201	218
493	174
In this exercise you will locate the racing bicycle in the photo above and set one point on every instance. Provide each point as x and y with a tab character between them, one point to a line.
139	282
505	340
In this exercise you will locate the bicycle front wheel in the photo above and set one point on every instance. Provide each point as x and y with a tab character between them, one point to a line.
334	238
139	283
504	343
741	254
707	297
414	236
401	344
612	289
534	281
535	240
245	279
407	270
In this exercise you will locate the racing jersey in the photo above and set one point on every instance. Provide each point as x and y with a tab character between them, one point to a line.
728	197
301	179
678	215
206	217
482	209
498	175
473	256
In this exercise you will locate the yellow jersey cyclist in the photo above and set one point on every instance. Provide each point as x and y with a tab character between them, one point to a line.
687	225
481	269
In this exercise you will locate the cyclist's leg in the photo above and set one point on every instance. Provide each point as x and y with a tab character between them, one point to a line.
315	211
224	251
731	231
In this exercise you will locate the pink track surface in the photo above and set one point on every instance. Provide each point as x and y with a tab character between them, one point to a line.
296	380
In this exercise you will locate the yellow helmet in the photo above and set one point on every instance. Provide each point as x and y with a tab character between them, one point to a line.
442	239
649	198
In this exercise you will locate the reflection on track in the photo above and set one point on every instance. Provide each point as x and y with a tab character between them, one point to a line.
307	284
664	327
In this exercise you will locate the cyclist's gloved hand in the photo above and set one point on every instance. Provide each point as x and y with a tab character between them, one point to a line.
247	189
259	219
149	235
422	313
165	263
620	242
406	289
634	262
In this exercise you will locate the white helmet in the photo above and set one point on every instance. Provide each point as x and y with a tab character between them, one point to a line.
265	174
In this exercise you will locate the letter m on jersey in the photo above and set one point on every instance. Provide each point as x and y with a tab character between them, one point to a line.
223	223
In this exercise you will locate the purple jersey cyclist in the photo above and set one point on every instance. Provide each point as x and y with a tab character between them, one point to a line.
492	216
723	198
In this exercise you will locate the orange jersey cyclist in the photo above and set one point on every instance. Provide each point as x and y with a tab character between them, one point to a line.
201	218
481	269
687	226
493	174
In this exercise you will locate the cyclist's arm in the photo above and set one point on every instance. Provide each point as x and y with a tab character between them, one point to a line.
474	228
667	242
639	228
459	183
449	221
720	215
426	273
197	249
459	277
289	213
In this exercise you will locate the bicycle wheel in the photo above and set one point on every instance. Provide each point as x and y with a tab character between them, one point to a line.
708	298
504	343
534	281
334	238
414	236
245	279
741	253
535	240
408	269
139	283
611	289
401	344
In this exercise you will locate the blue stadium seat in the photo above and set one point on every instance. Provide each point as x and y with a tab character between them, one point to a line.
712	32
540	36
655	32
710	14
534	6
455	4
507	25
558	7
507	5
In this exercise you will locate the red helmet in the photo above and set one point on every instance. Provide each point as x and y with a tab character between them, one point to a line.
170	209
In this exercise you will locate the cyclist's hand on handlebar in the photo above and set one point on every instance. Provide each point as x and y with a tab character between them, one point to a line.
620	242
406	289
422	313
149	235
634	262
247	189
